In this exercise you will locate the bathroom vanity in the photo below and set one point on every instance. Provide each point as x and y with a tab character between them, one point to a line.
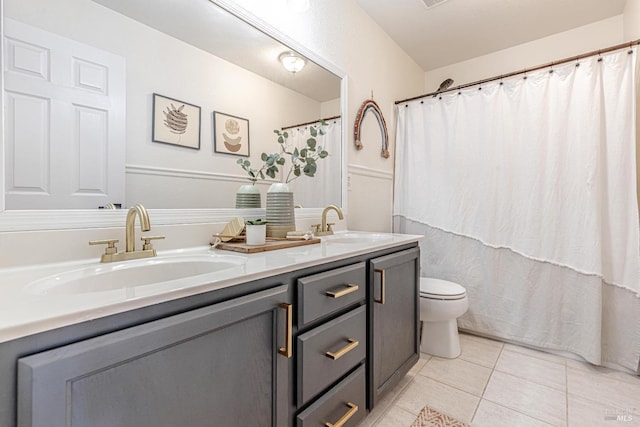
305	336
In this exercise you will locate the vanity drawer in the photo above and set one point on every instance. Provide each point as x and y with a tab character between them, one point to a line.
345	400
329	351
324	293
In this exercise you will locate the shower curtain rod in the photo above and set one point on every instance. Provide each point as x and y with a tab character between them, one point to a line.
527	70
311	123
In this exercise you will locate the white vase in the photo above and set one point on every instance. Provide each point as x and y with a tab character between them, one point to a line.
280	212
256	234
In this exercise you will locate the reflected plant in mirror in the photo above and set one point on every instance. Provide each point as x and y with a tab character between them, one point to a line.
268	167
303	160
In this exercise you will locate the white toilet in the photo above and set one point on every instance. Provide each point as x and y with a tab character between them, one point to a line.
441	303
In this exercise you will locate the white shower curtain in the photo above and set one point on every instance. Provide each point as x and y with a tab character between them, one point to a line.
526	190
325	188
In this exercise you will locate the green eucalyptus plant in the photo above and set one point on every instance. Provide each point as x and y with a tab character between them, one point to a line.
268	167
255	222
304	161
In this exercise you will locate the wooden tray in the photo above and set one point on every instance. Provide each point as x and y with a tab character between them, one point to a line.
270	245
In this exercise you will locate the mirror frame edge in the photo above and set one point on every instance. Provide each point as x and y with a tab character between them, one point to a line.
62	219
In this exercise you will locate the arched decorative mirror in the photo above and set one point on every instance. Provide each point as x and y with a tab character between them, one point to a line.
79	110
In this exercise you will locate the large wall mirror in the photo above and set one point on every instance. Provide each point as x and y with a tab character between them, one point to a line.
83	128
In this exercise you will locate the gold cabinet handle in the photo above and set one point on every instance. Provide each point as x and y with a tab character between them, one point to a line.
382	285
344	350
346	291
286	351
353	408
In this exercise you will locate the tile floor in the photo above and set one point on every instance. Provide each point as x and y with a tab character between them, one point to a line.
493	384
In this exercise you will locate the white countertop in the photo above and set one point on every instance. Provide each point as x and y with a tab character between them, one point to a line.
24	312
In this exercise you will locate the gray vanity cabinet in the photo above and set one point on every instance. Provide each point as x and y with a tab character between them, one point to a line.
331	347
394	318
220	365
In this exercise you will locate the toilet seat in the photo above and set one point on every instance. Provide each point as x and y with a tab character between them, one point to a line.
440	289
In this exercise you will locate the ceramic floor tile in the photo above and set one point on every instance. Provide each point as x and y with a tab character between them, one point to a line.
533	369
536	353
396	417
586	413
480	352
386	402
424	391
487	341
536	400
424	358
600	388
489	414
602	371
458	373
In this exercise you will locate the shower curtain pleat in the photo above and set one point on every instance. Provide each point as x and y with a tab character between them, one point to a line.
528	186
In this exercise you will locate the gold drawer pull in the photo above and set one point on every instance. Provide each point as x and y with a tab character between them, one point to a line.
344	350
382	286
346	291
353	408
286	351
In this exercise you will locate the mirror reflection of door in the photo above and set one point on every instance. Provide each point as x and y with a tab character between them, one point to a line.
64	110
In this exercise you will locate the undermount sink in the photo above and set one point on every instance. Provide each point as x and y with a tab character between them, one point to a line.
352	238
131	274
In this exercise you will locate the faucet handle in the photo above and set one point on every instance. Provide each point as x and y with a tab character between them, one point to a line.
147	246
111	245
316	227
329	224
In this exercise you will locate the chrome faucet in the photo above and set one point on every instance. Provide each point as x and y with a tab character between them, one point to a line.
324	229
111	252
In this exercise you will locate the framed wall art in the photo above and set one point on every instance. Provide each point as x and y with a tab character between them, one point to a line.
175	122
230	134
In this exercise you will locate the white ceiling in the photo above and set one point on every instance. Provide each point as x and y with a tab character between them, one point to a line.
212	29
456	30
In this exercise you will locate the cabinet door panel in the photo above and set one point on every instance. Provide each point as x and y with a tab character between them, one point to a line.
218	365
394	311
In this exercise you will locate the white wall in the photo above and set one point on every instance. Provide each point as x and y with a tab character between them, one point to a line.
342	33
188	74
583	39
632	20
632	32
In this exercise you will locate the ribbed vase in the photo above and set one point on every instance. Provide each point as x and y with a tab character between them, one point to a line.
248	196
280	211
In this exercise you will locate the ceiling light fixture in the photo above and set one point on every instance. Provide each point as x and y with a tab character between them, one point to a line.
292	62
433	3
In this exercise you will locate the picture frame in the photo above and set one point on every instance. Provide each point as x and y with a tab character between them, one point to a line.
175	122
230	134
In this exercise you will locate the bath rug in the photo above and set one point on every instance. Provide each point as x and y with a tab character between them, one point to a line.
429	417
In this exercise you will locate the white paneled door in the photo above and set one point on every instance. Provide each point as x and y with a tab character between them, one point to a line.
64	122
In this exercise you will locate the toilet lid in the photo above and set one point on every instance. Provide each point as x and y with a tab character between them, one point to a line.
440	289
